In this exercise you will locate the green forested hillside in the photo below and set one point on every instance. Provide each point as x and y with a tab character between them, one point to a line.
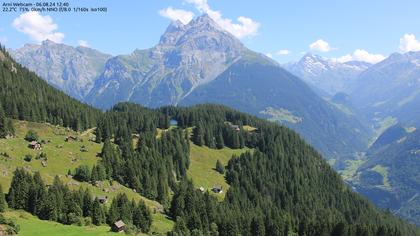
25	96
389	136
390	175
203	166
62	156
255	86
283	186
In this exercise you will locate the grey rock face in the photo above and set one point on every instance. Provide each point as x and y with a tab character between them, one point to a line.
70	69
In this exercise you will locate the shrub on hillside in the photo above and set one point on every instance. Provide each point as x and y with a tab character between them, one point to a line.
219	167
27	158
31	136
82	173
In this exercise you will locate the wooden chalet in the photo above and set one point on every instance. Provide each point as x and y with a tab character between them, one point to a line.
71	138
118	226
35	145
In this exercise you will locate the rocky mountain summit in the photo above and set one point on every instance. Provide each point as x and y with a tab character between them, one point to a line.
186	57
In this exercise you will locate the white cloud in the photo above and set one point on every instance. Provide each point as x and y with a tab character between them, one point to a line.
37	27
269	55
201	5
283	52
320	45
345	58
361	55
409	43
244	27
83	43
177	14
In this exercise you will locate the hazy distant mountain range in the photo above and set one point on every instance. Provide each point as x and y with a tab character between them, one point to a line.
383	95
326	75
390	176
391	89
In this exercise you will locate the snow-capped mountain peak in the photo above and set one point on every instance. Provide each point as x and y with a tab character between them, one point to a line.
326	74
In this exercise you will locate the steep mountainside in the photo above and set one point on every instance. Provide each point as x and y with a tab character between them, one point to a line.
70	69
327	75
390	177
25	96
258	86
186	57
258	181
391	88
389	136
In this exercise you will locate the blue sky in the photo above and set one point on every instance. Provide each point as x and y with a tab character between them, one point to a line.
282	29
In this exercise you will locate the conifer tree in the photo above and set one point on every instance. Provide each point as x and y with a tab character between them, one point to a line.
3	123
97	213
113	214
31	135
220	143
142	217
87	202
37	194
219	167
49	210
83	173
235	140
19	189
98	135
198	135
180	227
163	189
3	204
94	175
100	170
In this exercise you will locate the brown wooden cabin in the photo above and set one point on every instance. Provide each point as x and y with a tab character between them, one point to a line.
118	226
35	145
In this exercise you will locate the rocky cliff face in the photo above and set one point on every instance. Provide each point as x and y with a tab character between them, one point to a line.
70	69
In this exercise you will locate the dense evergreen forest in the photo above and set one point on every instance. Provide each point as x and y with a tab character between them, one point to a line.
59	203
25	96
283	186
